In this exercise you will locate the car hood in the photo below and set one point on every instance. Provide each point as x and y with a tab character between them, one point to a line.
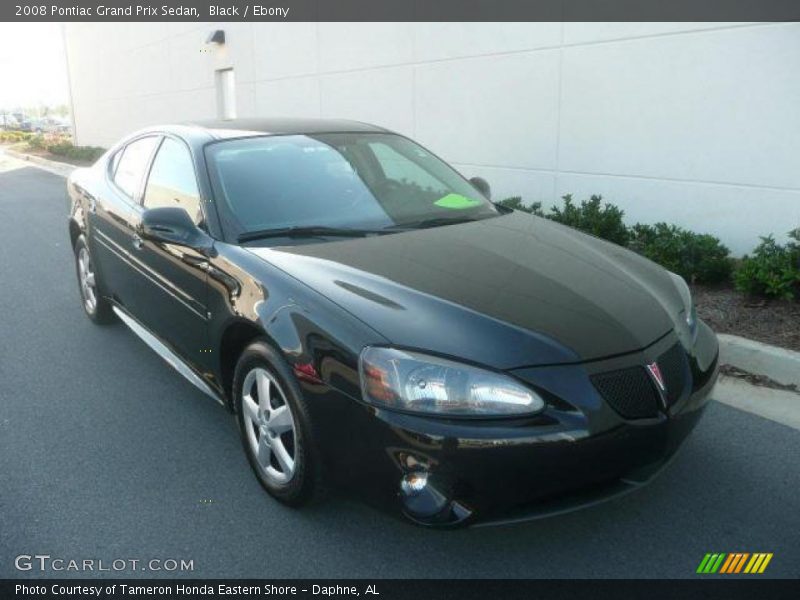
508	291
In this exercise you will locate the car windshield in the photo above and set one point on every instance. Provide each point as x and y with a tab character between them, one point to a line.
360	181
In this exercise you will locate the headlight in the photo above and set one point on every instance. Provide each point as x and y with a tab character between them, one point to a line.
427	384
690	314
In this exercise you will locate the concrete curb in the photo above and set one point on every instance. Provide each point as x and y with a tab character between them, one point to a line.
55	167
775	405
779	364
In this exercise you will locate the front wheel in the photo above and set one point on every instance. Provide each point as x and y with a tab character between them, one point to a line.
275	426
97	308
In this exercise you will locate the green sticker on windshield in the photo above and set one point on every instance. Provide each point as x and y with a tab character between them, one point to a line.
456	201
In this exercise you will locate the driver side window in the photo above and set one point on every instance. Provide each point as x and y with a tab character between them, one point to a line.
172	180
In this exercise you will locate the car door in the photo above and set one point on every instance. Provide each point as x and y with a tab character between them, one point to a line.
110	215
172	298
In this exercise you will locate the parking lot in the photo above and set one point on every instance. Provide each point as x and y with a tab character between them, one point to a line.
107	453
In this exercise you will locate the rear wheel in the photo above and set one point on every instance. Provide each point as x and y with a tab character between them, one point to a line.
97	308
275	426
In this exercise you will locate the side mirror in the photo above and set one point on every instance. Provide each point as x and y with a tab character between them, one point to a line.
173	225
480	184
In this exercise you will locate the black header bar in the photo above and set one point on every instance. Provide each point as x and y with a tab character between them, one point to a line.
400	10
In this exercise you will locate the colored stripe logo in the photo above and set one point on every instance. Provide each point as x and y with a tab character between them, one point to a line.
735	562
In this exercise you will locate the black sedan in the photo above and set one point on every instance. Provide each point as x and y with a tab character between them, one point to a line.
377	324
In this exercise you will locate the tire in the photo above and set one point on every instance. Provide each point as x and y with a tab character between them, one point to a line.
265	438
96	307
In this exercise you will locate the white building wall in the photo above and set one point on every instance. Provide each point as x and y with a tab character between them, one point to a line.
692	123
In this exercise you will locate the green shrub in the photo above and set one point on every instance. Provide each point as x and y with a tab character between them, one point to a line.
61	145
604	221
794	245
82	153
601	220
697	257
13	137
515	202
36	142
772	270
60	148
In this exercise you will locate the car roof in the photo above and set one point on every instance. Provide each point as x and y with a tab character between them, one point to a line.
222	129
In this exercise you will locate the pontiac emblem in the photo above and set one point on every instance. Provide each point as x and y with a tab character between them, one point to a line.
658	378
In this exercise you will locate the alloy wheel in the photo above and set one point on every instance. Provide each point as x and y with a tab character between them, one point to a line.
269	425
87	280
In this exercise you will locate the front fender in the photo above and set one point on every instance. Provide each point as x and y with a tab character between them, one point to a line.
320	341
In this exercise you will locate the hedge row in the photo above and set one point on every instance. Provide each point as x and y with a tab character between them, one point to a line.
772	270
61	145
14	137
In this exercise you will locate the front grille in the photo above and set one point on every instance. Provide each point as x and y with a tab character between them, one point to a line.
633	394
629	391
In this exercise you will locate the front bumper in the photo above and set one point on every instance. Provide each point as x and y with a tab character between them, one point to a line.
578	452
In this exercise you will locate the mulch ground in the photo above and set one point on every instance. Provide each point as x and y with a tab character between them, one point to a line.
775	322
753	379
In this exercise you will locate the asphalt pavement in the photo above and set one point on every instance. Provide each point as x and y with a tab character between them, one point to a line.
107	453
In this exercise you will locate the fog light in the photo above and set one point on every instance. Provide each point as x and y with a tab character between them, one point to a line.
414	483
421	498
426	504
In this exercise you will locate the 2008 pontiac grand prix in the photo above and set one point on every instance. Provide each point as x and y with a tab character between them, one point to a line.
376	323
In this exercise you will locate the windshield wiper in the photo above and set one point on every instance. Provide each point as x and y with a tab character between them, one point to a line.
433	222
307	231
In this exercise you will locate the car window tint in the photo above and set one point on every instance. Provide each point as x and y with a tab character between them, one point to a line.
293	180
354	180
130	170
172	180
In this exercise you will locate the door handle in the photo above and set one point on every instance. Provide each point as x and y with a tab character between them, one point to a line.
137	241
92	205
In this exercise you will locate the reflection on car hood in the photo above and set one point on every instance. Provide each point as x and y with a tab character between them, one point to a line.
528	290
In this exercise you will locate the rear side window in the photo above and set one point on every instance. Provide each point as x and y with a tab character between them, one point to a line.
130	169
172	180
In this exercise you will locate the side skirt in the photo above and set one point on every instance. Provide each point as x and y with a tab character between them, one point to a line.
168	355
